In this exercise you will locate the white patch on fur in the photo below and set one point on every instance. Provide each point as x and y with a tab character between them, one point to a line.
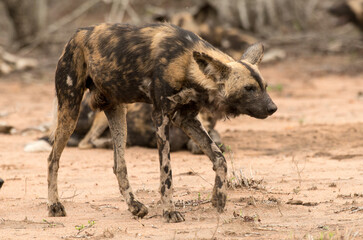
53	128
69	81
90	114
144	87
161	129
165	153
188	37
38	146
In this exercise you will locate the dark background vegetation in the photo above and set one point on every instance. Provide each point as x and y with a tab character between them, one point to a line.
41	27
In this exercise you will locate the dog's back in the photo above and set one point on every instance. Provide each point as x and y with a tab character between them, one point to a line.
119	62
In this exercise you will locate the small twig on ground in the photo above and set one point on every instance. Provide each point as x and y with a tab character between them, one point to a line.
343	210
152	216
356	209
73	196
26	185
52	224
108	206
192	203
44	222
137	219
278	207
100	207
297	168
215	230
82	228
200	176
264	229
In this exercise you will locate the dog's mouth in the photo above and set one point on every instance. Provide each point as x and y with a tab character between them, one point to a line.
258	116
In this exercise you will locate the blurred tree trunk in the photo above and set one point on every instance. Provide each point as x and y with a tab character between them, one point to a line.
28	18
264	16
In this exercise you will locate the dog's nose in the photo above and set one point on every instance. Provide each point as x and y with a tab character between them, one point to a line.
271	108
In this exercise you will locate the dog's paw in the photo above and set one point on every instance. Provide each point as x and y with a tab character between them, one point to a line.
56	210
138	209
85	144
219	199
173	216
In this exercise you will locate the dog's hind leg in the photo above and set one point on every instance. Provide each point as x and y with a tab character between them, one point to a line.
69	89
67	119
117	122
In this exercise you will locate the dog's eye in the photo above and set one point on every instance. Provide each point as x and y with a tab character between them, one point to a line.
250	88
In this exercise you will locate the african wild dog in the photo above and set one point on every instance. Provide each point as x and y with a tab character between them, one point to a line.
176	71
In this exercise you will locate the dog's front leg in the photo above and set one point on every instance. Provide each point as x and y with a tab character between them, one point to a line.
117	121
195	130
162	124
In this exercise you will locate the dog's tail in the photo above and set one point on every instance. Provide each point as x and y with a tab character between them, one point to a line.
54	125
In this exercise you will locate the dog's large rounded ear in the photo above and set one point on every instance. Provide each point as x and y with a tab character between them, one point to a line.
253	54
211	67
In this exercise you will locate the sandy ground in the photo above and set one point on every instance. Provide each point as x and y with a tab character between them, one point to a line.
309	153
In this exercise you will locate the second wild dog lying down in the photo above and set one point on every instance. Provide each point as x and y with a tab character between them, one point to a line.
92	130
173	69
140	131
